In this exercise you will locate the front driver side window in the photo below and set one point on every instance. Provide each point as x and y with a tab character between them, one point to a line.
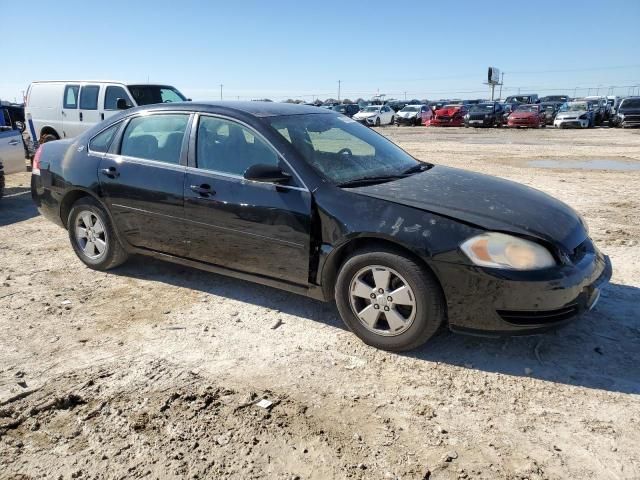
228	147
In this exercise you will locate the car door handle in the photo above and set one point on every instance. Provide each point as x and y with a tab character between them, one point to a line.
13	142
110	172
80	116
205	190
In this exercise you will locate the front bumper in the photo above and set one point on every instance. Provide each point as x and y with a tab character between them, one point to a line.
499	302
571	123
481	122
522	123
408	121
447	122
368	121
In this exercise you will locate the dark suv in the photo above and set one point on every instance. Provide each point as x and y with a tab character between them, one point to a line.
628	114
348	109
490	114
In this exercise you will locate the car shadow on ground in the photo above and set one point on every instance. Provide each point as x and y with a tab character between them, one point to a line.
600	350
16	206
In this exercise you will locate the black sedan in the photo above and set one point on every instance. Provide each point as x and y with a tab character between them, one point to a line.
310	201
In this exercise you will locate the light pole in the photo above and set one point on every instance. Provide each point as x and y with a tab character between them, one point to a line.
501	83
339	90
221	91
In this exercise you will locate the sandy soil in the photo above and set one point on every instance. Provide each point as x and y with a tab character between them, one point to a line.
154	370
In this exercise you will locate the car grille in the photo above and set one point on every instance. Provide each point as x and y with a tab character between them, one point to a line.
568	118
528	317
632	118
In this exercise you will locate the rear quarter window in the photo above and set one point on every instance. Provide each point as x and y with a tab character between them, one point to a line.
101	142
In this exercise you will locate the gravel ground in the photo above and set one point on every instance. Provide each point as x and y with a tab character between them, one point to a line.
155	370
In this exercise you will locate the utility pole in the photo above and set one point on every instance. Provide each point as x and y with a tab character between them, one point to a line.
405	96
575	91
501	83
339	90
221	91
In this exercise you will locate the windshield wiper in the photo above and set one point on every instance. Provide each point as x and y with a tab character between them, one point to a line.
421	167
369	180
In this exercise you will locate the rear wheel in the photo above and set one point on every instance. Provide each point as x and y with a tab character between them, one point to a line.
388	300
92	236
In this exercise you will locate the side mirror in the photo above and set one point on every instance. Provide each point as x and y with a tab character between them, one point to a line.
266	173
121	104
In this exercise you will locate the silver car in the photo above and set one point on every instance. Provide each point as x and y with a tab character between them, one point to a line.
574	114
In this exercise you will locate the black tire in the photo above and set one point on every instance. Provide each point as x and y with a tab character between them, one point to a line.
48	137
428	297
378	122
113	254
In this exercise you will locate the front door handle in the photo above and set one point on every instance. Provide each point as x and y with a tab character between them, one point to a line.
80	116
110	172
204	190
13	142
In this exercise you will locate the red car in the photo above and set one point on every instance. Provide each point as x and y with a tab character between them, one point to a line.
527	115
449	116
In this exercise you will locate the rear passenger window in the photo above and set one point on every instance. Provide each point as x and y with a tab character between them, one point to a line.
89	97
71	96
100	143
111	96
155	137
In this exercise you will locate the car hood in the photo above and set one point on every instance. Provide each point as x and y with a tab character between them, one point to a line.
365	114
573	113
523	115
447	111
485	201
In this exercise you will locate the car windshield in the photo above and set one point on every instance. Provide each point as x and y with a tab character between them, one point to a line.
549	108
526	108
341	149
630	103
453	106
574	107
411	108
372	108
149	94
518	99
482	107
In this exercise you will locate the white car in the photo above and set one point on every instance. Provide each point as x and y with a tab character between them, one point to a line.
375	115
414	115
66	109
574	114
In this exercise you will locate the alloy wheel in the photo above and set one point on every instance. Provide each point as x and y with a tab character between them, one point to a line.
90	234
382	300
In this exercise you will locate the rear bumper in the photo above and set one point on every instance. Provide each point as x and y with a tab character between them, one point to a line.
496	302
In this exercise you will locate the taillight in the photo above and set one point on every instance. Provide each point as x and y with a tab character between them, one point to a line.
35	165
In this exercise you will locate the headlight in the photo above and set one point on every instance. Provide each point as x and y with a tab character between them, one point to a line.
498	250
621	116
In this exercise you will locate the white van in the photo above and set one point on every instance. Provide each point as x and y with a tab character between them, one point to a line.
66	109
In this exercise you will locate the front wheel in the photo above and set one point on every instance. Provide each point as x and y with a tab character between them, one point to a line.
93	237
389	300
378	122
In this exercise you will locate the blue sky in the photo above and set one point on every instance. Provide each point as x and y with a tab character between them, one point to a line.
300	49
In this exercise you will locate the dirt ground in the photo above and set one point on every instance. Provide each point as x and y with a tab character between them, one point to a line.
154	370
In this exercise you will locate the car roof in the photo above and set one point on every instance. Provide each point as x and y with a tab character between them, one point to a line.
257	109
